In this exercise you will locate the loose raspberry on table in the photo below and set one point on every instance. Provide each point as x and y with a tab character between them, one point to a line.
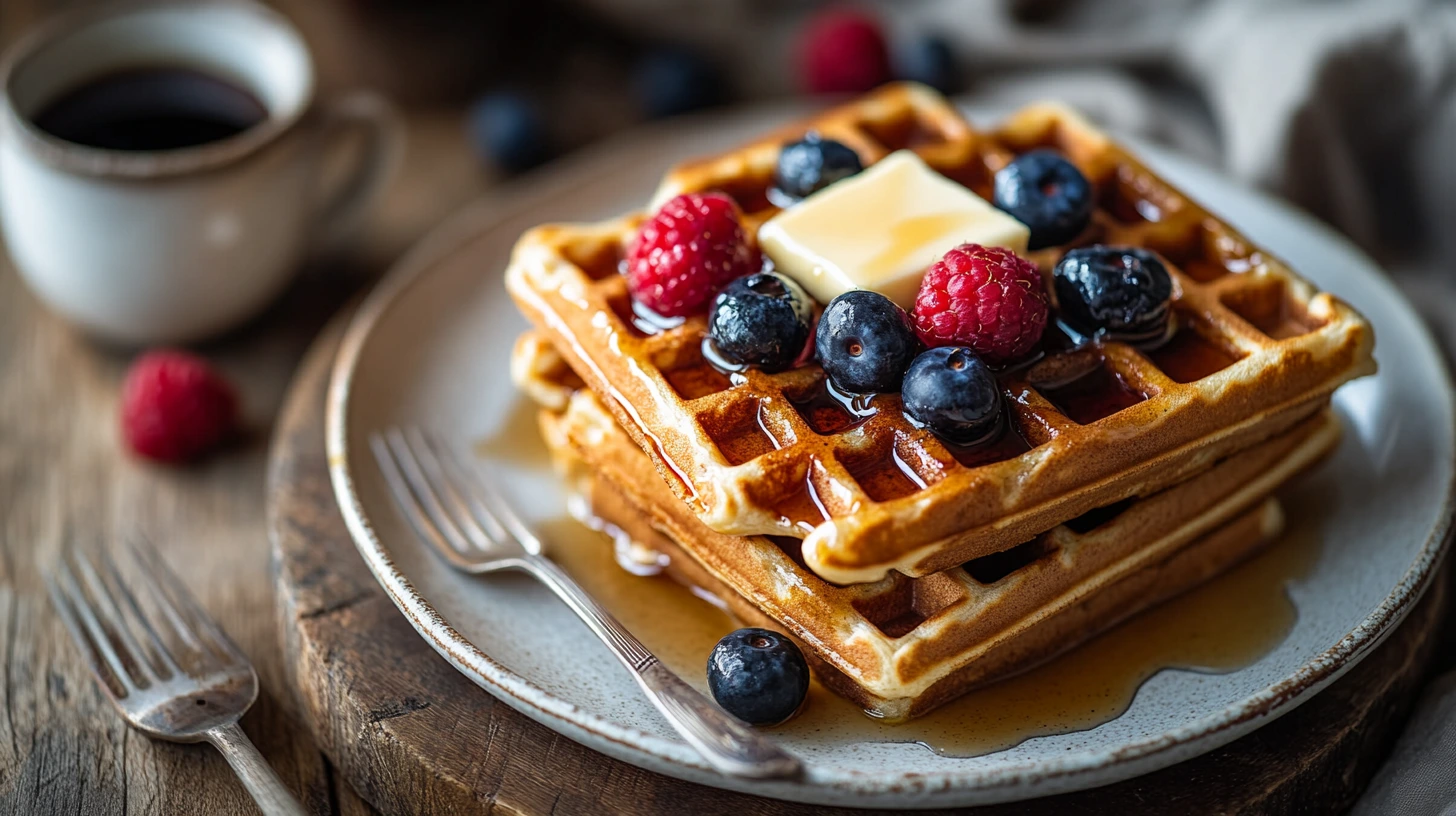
682	256
986	298
843	52
174	407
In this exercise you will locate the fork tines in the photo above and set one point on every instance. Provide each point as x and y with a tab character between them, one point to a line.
462	517
137	633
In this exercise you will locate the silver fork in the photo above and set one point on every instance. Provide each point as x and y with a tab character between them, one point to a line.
169	669
469	523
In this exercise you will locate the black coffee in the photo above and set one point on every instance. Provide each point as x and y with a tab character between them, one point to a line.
151	109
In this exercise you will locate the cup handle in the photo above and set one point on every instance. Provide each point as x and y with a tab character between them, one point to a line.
372	118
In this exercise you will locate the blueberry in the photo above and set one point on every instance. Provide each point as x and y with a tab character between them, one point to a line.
670	81
761	319
1120	292
865	342
506	128
758	676
951	391
928	60
1047	193
810	165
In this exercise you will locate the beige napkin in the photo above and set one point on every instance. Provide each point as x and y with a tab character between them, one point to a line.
1345	107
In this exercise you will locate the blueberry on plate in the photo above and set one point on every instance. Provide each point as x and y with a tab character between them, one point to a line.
865	342
809	165
761	319
951	391
758	676
1047	193
1122	293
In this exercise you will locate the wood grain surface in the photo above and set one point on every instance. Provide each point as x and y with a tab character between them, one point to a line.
349	692
64	476
413	735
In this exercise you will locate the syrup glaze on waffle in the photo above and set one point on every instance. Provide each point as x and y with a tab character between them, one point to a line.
900	646
1257	350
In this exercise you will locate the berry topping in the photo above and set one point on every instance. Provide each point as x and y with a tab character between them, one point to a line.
986	298
1119	292
758	676
951	391
810	165
1048	194
928	60
174	407
865	342
506	128
843	52
685	253
762	319
670	81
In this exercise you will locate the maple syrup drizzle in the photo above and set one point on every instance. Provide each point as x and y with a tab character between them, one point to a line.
906	236
1101	392
829	411
1222	626
1189	356
518	439
649	322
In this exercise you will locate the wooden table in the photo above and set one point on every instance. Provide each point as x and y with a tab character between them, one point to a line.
63	476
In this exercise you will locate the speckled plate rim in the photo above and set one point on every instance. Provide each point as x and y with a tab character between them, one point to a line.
824	785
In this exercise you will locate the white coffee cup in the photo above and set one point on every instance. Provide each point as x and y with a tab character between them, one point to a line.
171	246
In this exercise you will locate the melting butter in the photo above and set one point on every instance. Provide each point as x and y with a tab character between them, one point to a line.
881	230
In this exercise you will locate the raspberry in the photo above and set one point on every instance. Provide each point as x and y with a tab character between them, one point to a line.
684	254
843	52
174	407
983	297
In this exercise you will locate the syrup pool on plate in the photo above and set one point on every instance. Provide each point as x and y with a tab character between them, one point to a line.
1222	626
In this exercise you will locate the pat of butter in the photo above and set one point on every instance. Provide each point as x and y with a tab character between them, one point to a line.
881	229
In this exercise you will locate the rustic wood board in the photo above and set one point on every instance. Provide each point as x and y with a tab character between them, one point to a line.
412	735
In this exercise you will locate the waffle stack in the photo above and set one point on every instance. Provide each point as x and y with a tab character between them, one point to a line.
913	570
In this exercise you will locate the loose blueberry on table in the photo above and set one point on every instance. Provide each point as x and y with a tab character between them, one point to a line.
865	342
809	165
761	319
758	676
1121	293
1047	193
951	391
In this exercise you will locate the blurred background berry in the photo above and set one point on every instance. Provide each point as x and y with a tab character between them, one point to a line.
843	51
671	80
506	129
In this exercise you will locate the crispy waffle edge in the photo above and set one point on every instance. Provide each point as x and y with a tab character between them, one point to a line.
965	512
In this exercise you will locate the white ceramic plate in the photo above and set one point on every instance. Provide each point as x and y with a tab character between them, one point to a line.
430	346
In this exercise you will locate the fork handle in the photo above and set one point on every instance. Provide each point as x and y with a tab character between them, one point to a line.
266	788
727	744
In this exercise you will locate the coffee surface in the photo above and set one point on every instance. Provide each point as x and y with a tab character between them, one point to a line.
145	109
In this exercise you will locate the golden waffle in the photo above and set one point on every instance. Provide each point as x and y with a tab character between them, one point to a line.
1258	350
901	646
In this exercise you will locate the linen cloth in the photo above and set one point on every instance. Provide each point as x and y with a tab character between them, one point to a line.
1345	107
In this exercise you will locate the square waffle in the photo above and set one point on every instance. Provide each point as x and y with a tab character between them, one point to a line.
901	646
1257	352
